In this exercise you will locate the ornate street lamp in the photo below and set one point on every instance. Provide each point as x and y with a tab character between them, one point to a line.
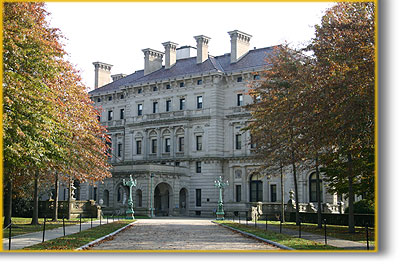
130	214
220	210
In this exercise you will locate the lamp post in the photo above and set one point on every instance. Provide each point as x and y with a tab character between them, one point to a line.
151	195
220	210
130	214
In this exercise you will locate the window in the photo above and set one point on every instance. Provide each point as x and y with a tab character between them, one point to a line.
154	146
181	143
199	82
168	86
98	118
198	197
121	96
181	84
167	145
239	79
238	193
119	194
140	109
109	98
256	77
198	166
138	147
199	102
139	198
181	104
95	193
239	100
155	89
155	107
168	105
99	99
273	192
313	188
122	113
109	146
238	141
119	150
139	91
110	115
256	190
199	143
177	163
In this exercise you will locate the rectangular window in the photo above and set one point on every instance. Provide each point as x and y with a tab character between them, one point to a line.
121	97
273	192
238	141
140	109
110	115
155	88
181	104
95	193
256	77
199	143
109	98
168	105
198	166
155	107
199	102
168	86
122	113
198	197
238	193
181	84
139	91
119	150
138	147
199	82
154	146
167	145
181	144
239	79
240	100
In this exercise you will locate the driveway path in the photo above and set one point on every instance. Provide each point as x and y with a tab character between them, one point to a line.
180	234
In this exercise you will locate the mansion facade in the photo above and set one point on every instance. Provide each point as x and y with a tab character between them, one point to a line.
176	126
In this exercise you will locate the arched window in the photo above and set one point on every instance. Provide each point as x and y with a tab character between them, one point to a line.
313	187
256	190
119	194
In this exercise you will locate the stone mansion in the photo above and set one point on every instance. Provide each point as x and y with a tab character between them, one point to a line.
175	126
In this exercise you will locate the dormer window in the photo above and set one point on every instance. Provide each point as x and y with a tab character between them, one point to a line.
181	84
122	96
239	79
199	82
139	91
99	99
256	77
168	86
109	98
155	89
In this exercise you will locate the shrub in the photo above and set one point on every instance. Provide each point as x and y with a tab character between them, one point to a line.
363	206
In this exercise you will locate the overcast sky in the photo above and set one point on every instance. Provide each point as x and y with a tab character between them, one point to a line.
115	33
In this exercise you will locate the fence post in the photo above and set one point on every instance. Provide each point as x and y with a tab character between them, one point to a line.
299	228
64	225
9	237
266	222
100	218
44	227
366	230
280	225
255	221
80	222
239	216
326	240
247	213
91	221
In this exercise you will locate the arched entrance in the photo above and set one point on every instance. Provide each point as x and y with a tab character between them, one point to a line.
163	199
183	194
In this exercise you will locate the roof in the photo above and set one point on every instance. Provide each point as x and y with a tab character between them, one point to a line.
188	66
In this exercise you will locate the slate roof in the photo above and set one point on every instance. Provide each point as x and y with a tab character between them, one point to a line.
188	66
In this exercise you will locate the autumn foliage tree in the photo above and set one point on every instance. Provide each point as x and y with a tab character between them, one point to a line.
49	123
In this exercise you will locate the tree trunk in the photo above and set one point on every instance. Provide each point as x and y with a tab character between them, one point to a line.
35	213
296	191
351	195
8	203
56	188
282	197
319	208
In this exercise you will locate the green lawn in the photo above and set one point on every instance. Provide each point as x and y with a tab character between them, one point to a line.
336	231
74	241
286	240
23	225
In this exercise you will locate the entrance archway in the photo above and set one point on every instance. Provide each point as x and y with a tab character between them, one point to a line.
163	199
183	196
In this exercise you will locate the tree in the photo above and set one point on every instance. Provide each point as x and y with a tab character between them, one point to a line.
344	48
277	112
49	121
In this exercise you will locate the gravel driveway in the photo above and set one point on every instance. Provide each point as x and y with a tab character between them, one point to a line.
180	234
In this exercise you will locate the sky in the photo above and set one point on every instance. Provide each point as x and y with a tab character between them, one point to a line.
116	33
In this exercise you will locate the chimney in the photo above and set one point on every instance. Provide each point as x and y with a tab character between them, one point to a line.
170	54
240	43
152	60
202	48
102	74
